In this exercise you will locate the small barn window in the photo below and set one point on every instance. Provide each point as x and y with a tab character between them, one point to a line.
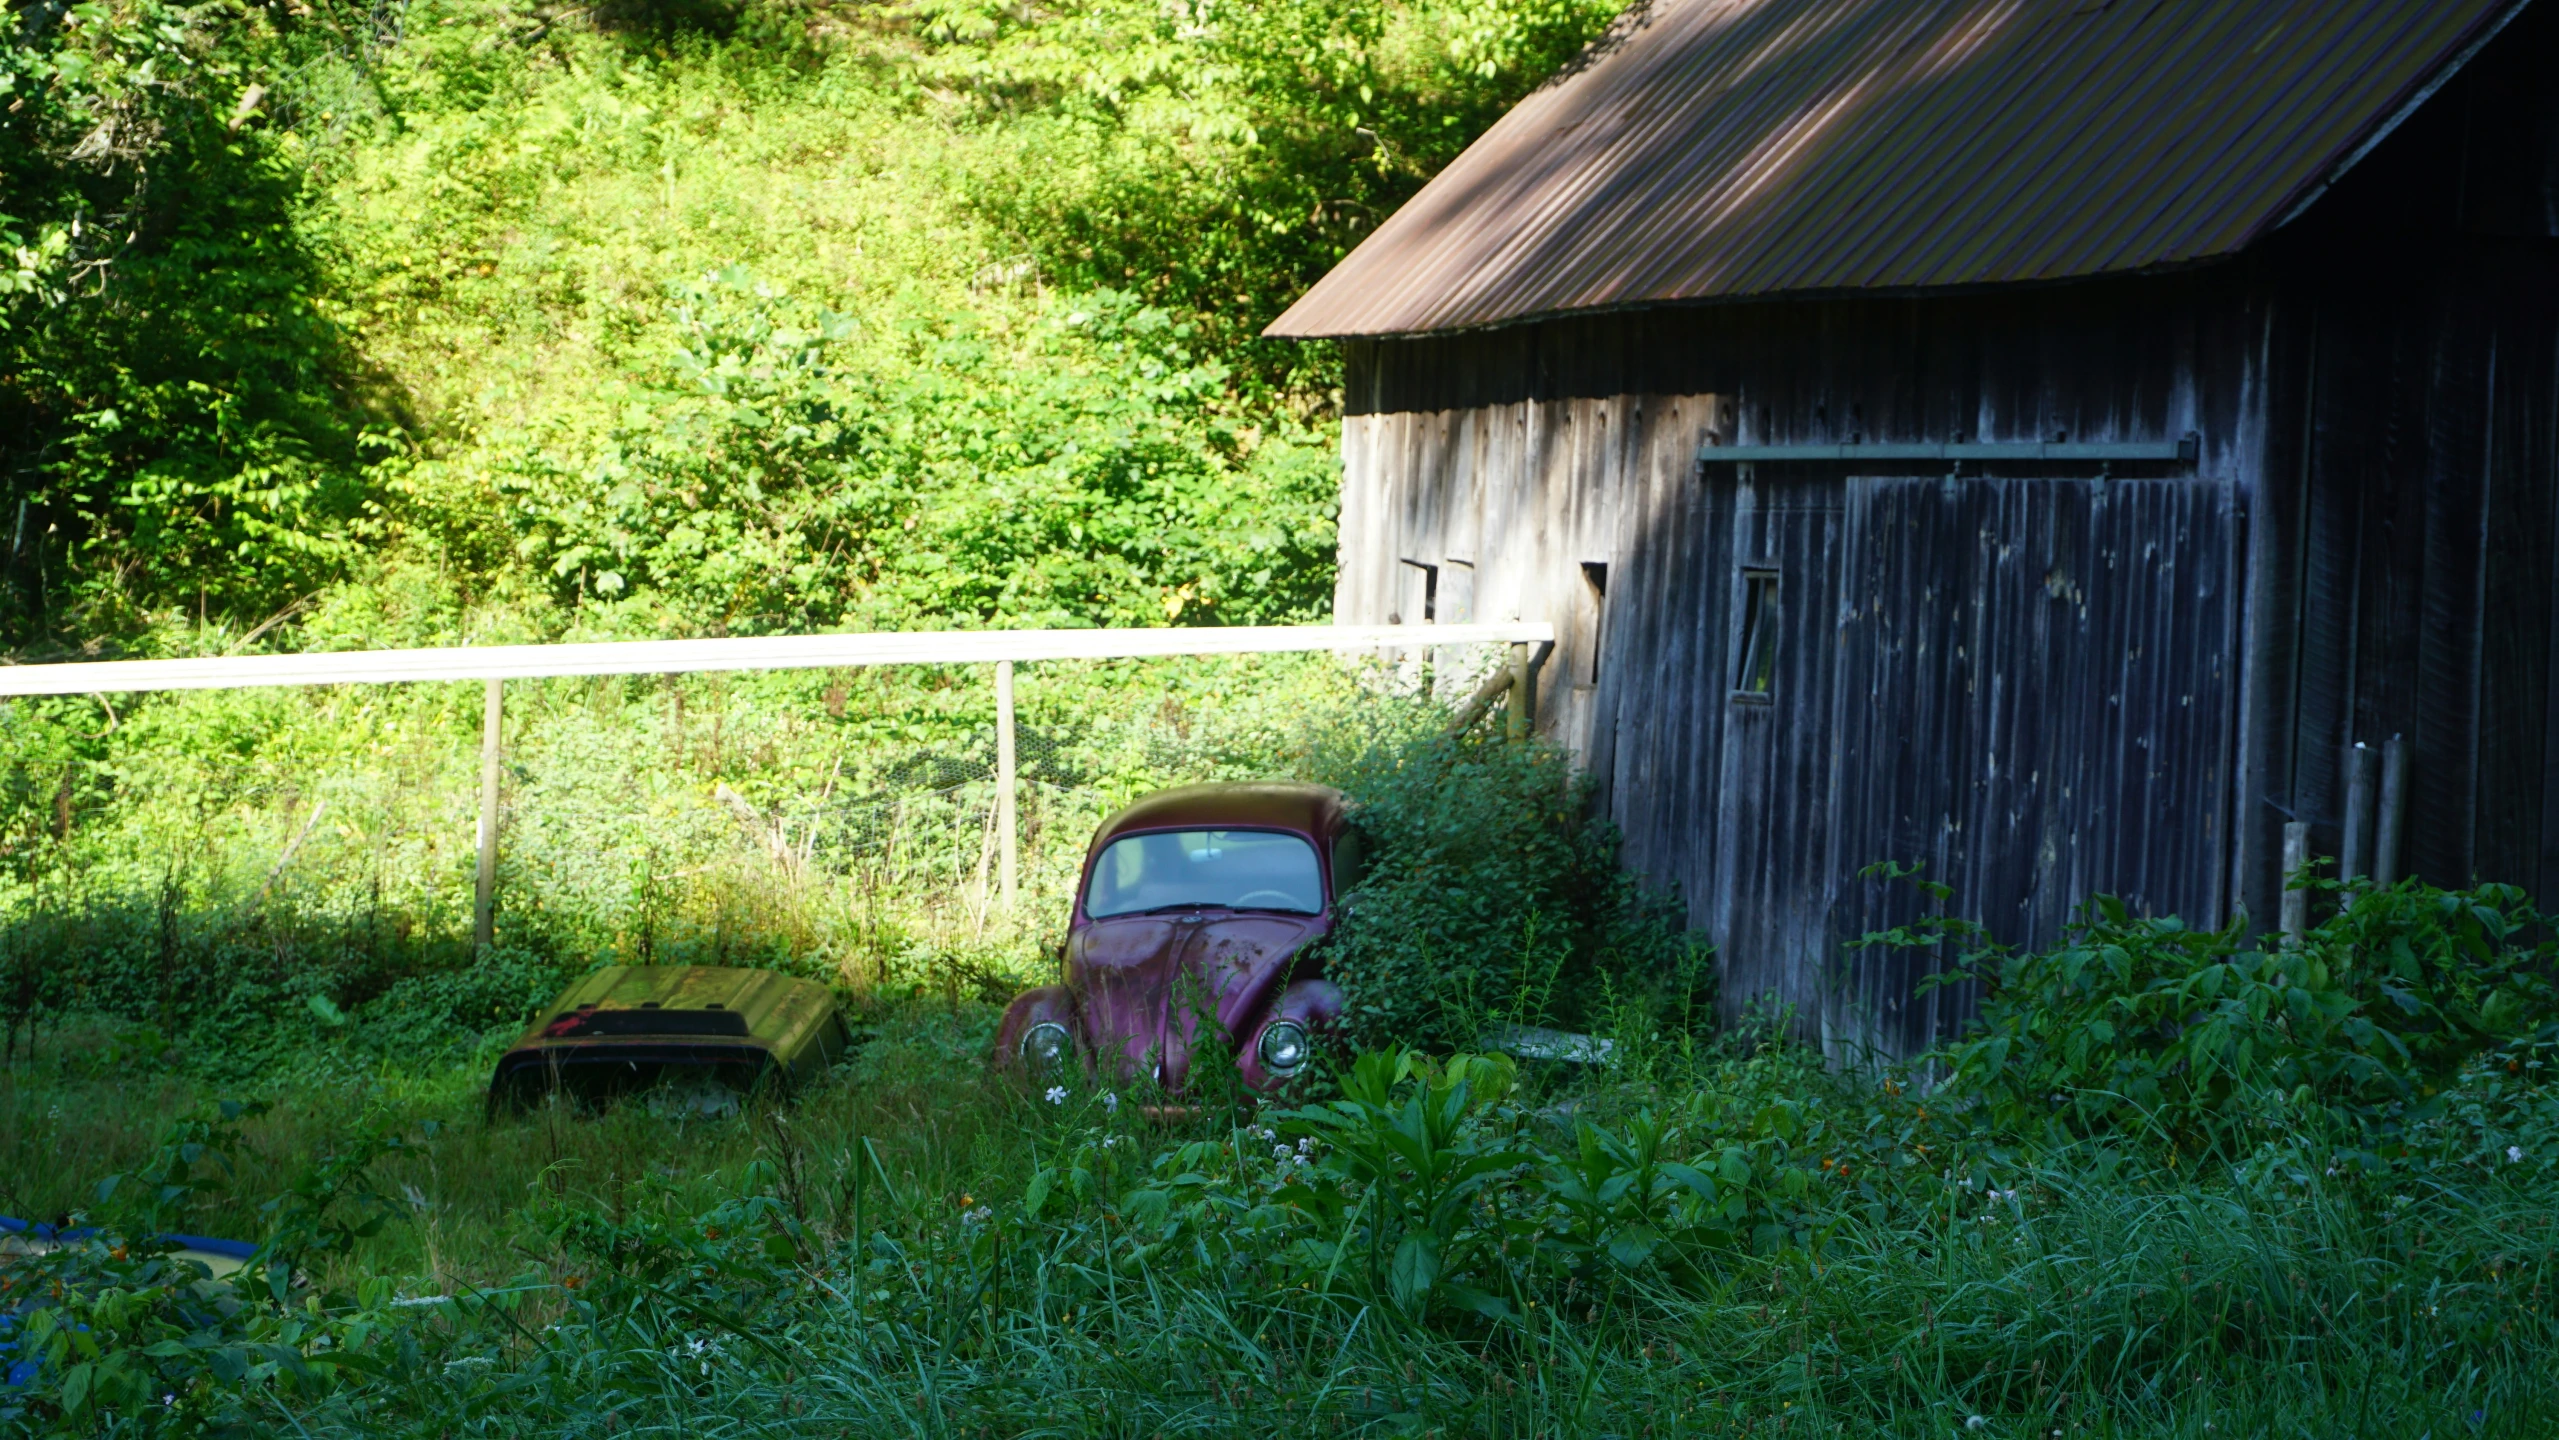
1595	576
1755	649
1430	590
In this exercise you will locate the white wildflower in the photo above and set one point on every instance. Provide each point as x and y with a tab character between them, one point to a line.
1976	1422
1110	1142
1111	1102
2003	1194
2514	1153
1282	1154
1306	1148
1057	1094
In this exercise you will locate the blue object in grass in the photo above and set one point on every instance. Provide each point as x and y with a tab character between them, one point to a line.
228	1249
20	1372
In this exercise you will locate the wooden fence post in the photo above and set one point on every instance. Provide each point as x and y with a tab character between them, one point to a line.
2355	849
2394	812
2296	912
1522	698
484	909
1006	813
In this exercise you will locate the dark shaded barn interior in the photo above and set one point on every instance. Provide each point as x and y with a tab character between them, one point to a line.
2115	568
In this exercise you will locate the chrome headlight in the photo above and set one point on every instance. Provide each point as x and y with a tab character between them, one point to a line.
1045	1046
1285	1048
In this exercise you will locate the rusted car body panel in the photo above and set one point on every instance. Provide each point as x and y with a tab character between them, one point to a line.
627	1027
1143	993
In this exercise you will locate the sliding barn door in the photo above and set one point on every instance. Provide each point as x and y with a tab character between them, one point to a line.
2035	699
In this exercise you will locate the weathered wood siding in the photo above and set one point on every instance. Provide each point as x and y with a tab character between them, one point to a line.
2038	700
2407	518
1964	671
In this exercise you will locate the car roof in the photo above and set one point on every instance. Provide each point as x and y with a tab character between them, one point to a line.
775	1006
1313	810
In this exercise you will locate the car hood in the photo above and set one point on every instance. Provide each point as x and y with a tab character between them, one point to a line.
1143	983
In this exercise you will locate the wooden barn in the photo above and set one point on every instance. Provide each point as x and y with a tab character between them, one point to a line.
2038	438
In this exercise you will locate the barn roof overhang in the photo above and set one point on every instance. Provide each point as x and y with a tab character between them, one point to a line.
1722	150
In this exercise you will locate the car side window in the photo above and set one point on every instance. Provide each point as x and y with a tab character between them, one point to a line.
1349	861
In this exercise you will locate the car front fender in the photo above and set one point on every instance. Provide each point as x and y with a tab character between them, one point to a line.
1032	1007
1315	1003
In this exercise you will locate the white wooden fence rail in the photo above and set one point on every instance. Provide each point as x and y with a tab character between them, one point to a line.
494	664
757	652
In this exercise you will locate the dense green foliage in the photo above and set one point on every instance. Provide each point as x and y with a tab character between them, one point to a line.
2379	1034
180	416
1494	895
1709	1241
746	315
237	875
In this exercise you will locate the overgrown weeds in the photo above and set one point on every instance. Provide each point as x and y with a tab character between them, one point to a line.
2178	1183
1750	1242
1494	895
2385	1032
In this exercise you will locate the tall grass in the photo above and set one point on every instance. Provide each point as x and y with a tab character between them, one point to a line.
227	874
577	1279
1716	1235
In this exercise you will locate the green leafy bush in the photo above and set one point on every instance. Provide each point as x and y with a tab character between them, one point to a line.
1492	893
1445	1202
1084	475
1432	1188
2139	1027
181	415
1220	158
115	1328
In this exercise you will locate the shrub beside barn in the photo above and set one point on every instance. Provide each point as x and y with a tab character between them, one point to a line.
2040	441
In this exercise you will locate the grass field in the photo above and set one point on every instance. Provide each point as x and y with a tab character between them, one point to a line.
2176	1183
921	1249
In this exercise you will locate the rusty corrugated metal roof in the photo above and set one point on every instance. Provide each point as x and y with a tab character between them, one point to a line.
1725	148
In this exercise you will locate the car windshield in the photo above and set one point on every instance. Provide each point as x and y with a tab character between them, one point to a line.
1239	869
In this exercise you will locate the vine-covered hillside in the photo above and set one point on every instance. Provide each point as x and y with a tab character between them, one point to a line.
696	315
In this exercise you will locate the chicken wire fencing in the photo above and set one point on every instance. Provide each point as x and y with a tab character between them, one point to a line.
845	824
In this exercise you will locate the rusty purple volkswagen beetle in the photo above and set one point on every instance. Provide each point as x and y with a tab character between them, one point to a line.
1197	906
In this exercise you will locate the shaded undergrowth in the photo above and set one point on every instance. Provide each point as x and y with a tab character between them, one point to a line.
2176	1182
1727	1240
